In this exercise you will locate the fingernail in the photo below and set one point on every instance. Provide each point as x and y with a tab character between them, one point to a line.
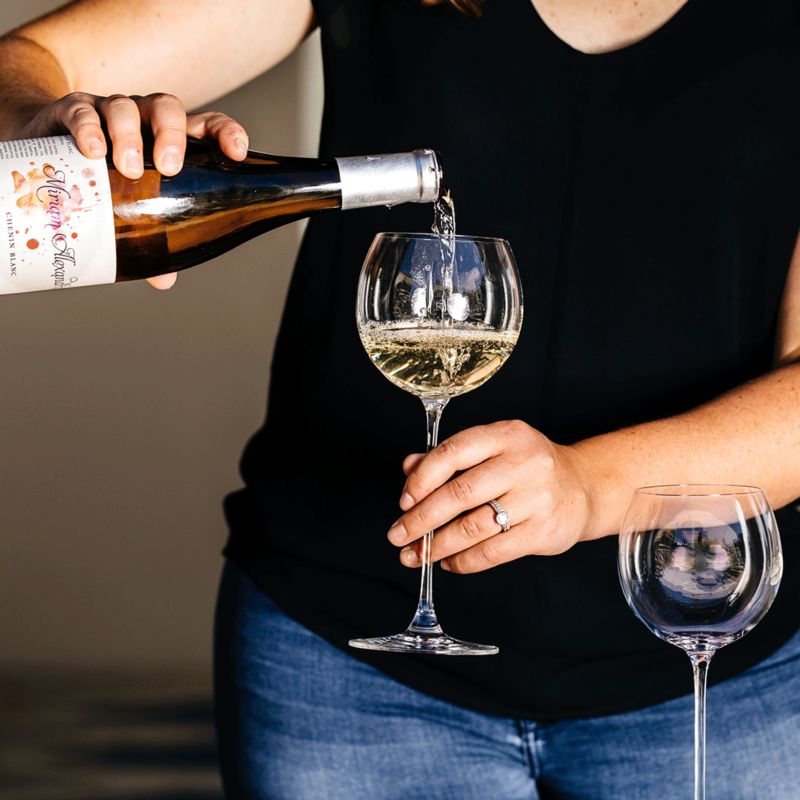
444	565
96	147
409	557
132	162
406	501
170	161
397	534
240	145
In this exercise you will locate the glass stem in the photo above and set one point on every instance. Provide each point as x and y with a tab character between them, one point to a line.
700	662
425	620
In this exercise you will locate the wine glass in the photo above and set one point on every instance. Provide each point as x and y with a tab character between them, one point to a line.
700	566
438	317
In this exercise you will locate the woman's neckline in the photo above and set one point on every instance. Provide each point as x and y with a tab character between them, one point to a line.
667	25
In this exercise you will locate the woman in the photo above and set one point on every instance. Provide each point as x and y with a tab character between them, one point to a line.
643	161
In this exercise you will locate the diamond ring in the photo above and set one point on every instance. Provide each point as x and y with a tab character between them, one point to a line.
501	516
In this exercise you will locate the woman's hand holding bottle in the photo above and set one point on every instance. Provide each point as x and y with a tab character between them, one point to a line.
115	123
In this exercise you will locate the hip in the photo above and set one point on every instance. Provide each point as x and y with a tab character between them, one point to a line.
298	717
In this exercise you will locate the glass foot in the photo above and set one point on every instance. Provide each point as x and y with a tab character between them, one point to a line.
432	643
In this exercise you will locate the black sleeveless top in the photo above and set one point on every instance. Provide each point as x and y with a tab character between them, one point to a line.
652	197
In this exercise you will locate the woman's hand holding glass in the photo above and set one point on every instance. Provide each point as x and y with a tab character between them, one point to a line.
544	487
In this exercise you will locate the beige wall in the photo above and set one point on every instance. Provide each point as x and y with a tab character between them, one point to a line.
122	415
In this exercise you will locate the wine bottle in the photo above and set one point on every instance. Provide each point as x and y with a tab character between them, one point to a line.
73	221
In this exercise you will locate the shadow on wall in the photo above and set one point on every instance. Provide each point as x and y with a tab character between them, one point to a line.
90	735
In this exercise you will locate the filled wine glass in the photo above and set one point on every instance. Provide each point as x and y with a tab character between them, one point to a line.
438	316
700	567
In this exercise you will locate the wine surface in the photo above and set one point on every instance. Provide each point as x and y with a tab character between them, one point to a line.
432	361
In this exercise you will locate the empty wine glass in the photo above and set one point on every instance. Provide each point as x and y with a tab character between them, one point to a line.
438	317
700	566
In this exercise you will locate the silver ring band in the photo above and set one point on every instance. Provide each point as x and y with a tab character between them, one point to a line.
501	516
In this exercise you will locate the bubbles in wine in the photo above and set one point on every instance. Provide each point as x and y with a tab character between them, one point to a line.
428	360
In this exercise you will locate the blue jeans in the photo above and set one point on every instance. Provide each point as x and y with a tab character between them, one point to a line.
298	719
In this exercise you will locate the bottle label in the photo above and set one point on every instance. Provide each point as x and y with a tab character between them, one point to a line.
57	217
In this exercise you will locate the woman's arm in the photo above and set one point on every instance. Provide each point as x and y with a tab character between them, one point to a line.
73	69
196	49
559	495
749	435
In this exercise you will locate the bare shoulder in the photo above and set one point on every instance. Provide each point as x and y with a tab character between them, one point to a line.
195	49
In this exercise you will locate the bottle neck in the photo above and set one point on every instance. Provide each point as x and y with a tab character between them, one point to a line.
285	187
280	186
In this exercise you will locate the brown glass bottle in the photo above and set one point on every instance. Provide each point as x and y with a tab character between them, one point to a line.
71	221
164	224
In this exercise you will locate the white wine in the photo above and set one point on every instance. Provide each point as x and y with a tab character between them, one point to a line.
432	360
444	226
72	221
